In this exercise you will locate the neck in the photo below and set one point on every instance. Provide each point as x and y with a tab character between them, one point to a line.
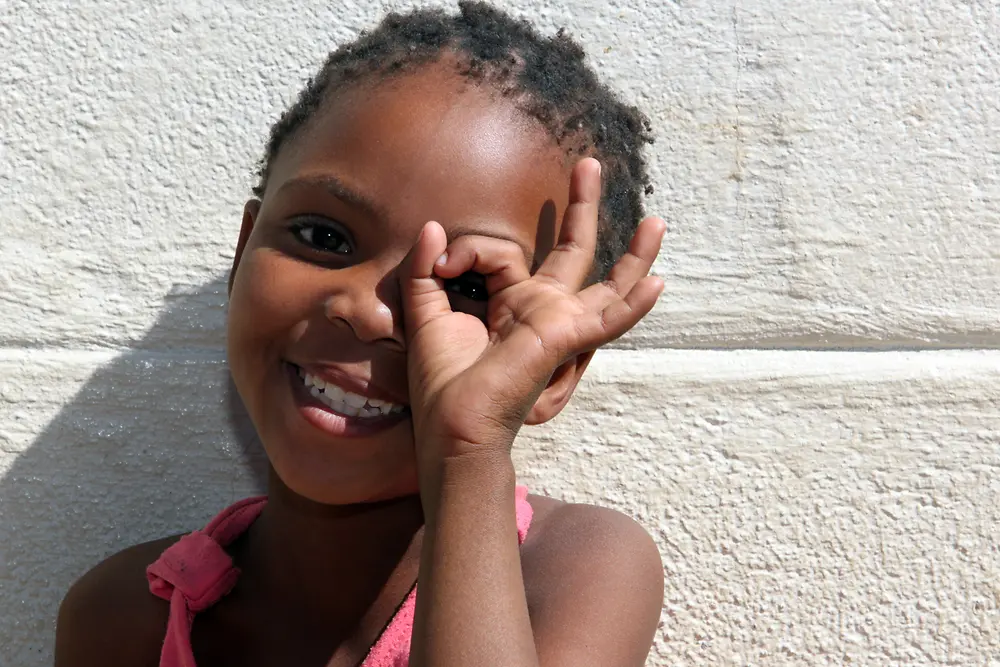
332	561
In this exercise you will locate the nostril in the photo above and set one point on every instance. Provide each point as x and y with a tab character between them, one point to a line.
369	317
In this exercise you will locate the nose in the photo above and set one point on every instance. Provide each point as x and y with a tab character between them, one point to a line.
368	302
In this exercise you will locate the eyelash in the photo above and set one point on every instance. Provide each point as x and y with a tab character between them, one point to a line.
298	229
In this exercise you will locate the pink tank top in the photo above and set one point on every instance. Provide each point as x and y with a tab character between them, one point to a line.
195	572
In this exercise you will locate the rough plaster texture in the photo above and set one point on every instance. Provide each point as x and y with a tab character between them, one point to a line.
831	173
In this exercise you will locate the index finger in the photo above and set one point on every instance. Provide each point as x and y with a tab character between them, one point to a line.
501	262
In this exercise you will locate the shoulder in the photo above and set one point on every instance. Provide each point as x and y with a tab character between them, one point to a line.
110	617
579	536
591	572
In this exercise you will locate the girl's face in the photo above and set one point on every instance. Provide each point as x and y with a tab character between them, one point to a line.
315	290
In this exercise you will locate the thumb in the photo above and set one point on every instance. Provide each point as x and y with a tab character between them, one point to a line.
424	298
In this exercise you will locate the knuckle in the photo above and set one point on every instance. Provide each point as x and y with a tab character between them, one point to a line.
613	286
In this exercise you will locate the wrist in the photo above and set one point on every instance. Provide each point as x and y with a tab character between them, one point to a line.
443	445
473	477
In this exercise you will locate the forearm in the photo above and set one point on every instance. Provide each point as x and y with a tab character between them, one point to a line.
471	606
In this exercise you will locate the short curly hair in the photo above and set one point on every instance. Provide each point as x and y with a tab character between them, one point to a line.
547	77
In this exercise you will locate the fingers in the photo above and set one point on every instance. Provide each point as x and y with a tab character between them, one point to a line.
431	261
571	260
423	298
623	314
642	252
633	266
628	293
502	263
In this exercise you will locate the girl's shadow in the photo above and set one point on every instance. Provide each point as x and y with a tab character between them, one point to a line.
154	443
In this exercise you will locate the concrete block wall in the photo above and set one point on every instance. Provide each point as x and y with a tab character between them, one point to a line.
808	423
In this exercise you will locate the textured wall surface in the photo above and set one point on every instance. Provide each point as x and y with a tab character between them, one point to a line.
809	424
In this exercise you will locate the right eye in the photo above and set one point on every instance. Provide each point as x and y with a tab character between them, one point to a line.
471	285
322	236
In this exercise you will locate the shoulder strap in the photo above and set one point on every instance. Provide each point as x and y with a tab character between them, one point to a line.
523	512
195	572
392	649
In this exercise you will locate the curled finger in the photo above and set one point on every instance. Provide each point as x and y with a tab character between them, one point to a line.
502	263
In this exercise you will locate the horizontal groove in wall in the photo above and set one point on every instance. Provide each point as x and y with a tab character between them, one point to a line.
644	340
773	345
97	356
803	346
647	336
102	355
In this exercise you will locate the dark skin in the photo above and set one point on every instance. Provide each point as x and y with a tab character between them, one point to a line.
338	269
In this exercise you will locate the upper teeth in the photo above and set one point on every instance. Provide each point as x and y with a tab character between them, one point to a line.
346	402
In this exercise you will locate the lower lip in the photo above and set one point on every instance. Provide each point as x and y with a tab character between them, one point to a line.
331	422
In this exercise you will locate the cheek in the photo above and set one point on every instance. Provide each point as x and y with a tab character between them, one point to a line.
266	304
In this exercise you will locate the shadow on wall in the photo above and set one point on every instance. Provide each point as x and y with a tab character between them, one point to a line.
154	443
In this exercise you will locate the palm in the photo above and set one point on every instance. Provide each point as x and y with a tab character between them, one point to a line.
470	380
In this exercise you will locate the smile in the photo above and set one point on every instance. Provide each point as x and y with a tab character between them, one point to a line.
346	402
338	412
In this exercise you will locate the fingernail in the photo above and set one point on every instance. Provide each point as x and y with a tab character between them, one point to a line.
442	260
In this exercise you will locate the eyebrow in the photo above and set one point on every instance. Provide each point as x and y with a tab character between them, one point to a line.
338	189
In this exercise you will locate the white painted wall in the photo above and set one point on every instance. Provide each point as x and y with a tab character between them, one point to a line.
831	173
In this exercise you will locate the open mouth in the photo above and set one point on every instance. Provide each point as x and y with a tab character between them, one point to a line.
345	402
334	408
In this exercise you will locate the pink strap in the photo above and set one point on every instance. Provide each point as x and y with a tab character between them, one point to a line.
393	648
523	512
195	572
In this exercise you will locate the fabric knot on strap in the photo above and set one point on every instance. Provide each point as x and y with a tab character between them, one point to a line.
194	573
198	567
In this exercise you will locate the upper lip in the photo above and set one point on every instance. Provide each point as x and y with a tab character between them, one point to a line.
350	382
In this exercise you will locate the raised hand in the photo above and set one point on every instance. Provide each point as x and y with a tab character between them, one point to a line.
472	383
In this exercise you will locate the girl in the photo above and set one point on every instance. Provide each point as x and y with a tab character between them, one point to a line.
388	362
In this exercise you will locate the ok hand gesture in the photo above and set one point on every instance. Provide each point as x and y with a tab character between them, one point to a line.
472	383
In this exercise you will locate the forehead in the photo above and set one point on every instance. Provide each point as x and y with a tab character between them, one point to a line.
430	145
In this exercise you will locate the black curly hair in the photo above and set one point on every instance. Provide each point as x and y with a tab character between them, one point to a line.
547	77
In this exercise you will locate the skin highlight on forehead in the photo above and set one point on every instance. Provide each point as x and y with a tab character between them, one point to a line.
430	145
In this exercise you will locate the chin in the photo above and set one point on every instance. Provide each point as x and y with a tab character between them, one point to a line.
332	475
355	492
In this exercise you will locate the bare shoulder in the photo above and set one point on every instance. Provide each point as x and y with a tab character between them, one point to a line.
109	617
587	537
583	524
591	572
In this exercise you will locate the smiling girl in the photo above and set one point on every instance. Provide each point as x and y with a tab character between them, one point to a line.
448	224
